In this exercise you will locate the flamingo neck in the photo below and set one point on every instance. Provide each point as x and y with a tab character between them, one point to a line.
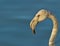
54	30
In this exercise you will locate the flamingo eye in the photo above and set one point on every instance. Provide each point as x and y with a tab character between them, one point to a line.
38	15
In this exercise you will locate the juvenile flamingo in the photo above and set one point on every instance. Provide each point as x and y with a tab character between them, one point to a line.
42	15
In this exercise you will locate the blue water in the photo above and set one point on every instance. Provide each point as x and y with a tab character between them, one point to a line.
15	17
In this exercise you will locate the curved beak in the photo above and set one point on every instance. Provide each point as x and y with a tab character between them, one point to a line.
33	24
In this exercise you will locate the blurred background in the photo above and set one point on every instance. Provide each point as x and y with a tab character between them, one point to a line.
15	17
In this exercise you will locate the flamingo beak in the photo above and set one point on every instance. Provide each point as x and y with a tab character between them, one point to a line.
33	31
33	24
32	28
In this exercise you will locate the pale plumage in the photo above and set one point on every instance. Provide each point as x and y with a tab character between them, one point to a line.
42	15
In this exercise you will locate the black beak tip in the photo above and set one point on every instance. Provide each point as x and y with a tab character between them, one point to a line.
34	32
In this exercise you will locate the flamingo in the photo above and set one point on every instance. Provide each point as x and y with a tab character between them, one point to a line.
40	16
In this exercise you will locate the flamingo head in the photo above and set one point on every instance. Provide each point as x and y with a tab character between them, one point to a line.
40	16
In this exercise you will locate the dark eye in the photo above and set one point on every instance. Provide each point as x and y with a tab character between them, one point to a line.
38	15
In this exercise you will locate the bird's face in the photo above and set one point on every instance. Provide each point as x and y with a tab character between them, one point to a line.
40	16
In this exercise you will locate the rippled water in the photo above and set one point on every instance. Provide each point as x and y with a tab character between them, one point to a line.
15	16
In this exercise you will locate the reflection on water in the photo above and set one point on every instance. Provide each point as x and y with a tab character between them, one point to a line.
15	17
